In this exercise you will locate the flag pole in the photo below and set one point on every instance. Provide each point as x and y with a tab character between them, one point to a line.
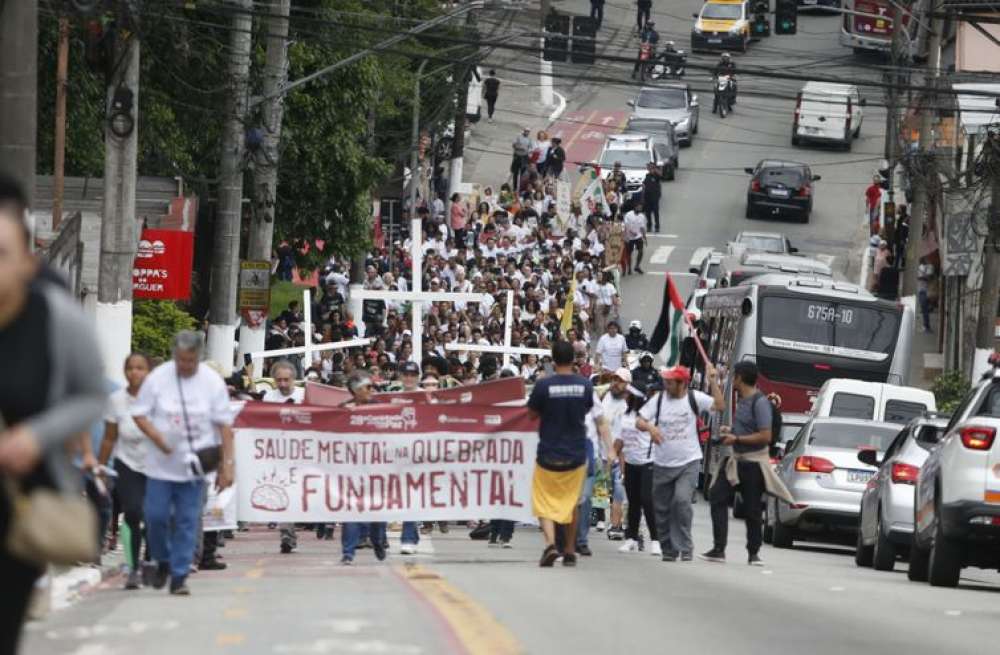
697	340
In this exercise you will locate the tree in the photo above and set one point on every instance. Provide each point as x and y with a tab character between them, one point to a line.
154	324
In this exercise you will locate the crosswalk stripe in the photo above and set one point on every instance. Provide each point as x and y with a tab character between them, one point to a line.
661	255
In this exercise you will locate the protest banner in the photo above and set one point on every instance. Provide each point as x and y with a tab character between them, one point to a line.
504	390
384	463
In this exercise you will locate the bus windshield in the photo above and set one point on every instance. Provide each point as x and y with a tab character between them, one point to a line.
829	327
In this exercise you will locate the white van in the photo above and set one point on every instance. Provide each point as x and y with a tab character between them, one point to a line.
829	113
872	401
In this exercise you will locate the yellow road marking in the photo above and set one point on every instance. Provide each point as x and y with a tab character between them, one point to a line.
235	612
260	562
254	574
474	626
243	590
229	639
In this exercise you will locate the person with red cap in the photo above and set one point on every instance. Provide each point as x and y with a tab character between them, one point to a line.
671	419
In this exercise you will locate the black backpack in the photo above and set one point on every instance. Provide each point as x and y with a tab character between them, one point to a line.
776	421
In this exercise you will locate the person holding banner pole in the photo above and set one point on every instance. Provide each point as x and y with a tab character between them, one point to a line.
283	373
360	386
409	376
561	402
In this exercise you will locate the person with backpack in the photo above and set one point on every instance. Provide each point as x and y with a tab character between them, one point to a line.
672	418
748	469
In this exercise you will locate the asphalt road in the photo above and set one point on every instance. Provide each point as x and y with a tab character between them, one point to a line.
464	597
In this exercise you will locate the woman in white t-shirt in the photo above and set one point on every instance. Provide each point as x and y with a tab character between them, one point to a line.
632	446
125	441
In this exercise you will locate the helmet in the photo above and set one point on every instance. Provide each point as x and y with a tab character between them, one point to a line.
650	23
726	56
670	44
635	324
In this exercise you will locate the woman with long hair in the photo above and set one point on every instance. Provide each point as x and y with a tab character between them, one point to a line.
124	439
632	446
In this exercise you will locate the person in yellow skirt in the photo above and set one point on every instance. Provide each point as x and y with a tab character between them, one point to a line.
561	402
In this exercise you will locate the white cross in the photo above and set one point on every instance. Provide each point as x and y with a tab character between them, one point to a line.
309	348
506	349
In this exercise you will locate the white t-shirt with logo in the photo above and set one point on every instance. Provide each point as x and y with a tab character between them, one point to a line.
679	427
206	401
275	396
132	446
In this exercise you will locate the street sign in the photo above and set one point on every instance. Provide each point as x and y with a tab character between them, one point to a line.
255	286
162	268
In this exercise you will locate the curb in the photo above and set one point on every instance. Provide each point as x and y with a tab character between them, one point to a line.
62	587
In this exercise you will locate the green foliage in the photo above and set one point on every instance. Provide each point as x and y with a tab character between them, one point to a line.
154	324
950	389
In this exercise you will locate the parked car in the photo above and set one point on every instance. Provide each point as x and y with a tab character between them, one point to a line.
672	102
872	401
957	496
886	526
660	129
791	424
778	188
824	476
828	113
706	266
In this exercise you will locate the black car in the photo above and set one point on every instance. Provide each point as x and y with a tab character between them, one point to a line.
779	188
664	133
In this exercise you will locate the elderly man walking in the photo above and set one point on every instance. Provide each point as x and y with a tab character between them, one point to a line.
183	408
285	391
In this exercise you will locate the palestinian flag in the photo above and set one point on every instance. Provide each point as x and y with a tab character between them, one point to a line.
593	199
671	327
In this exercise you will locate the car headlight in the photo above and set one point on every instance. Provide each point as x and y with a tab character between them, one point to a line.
696	30
683	122
735	29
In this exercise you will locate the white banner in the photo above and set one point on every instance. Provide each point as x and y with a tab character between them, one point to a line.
384	463
219	512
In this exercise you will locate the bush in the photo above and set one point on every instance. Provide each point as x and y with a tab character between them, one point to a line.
950	389
154	324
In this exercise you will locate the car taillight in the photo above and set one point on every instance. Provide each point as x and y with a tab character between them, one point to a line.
805	191
904	473
822	367
977	438
702	283
809	464
798	107
755	186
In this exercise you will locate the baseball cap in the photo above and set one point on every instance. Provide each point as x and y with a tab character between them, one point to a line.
409	368
680	373
624	374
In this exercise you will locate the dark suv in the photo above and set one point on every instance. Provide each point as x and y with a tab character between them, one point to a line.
779	188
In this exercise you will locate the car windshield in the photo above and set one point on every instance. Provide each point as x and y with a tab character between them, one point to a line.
718	11
648	127
713	271
764	244
902	411
854	436
826	327
662	98
628	158
790	177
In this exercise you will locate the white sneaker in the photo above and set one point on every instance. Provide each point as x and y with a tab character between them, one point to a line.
408	549
655	549
600	526
630	546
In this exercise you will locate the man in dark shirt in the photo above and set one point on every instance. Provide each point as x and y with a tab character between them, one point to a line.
749	437
561	401
651	192
491	89
556	158
597	12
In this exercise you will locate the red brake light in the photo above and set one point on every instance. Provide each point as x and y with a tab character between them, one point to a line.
978	438
822	367
805	191
904	473
755	185
702	283
798	106
808	464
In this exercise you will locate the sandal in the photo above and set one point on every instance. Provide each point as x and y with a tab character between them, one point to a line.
549	556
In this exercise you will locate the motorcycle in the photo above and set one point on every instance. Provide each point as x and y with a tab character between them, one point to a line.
668	64
724	92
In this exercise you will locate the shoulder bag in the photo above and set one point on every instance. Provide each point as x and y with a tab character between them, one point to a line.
208	458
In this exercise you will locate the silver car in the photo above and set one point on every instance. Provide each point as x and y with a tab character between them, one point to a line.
672	102
821	470
887	503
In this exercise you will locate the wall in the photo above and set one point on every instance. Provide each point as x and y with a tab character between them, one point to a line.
973	51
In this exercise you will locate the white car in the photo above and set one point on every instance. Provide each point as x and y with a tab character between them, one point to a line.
957	498
774	242
872	401
828	113
886	528
705	264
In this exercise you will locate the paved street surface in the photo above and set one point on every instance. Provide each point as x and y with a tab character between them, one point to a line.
466	597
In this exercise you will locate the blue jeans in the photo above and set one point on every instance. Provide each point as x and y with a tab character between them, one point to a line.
171	511
411	535
350	535
583	510
924	303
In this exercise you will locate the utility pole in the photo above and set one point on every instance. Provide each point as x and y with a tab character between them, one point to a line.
59	160
926	168
899	52
545	67
989	293
18	91
226	255
265	175
118	223
416	230
463	73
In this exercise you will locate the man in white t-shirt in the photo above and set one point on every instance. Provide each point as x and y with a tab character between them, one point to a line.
671	419
182	407
285	391
635	238
611	349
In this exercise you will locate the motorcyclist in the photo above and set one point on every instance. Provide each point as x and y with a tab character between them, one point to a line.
671	56
635	339
727	66
645	373
652	37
